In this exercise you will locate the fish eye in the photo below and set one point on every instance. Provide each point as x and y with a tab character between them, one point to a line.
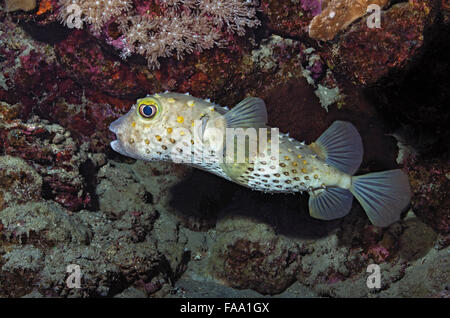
148	111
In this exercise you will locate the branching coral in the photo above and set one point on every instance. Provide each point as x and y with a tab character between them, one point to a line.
337	15
174	28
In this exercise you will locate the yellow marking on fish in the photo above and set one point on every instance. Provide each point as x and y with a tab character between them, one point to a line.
190	103
299	156
169	130
316	176
304	170
171	100
180	119
147	141
158	137
133	124
305	162
287	158
182	133
294	163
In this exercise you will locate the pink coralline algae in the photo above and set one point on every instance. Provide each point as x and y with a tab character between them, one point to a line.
55	156
313	6
430	181
290	18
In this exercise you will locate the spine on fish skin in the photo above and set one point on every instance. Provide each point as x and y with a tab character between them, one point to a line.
383	195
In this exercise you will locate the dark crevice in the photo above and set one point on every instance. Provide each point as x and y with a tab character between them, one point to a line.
89	172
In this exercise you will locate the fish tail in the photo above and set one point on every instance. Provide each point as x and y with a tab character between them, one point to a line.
383	195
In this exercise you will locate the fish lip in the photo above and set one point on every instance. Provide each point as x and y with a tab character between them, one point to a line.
117	147
114	126
115	144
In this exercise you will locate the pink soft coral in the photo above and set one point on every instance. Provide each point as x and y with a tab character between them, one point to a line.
180	26
95	13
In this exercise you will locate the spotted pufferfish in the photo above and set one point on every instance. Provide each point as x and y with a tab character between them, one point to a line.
181	128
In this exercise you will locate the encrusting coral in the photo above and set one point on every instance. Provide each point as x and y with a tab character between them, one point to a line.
15	5
337	15
164	28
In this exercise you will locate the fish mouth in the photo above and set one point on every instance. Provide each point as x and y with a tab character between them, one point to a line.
114	126
116	144
117	147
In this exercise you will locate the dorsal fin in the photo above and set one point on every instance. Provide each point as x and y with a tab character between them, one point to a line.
340	146
250	112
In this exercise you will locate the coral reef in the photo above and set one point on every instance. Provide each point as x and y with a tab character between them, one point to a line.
338	15
255	259
431	183
138	248
290	18
367	55
140	229
53	154
19	183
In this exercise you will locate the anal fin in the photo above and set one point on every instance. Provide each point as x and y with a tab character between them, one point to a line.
330	204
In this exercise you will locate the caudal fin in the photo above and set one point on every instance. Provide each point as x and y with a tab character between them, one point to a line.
383	195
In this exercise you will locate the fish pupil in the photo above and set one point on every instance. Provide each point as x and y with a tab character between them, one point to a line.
147	110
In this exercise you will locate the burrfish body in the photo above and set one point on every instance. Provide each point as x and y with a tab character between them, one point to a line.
238	145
